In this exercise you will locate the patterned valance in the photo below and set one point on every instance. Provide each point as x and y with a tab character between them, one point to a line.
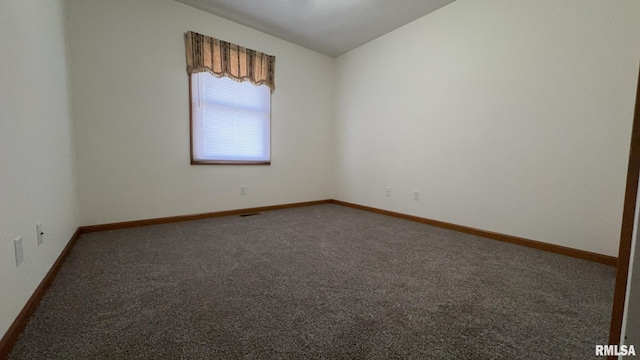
223	59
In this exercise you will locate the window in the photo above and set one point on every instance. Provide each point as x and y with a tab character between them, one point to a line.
230	121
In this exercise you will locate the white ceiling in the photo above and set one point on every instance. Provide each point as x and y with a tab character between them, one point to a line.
330	27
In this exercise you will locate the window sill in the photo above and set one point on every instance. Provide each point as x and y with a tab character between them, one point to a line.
221	162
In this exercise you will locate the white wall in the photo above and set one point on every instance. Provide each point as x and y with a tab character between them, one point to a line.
131	115
37	181
508	116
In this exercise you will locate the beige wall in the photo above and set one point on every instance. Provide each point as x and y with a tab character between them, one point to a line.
131	115
508	116
37	181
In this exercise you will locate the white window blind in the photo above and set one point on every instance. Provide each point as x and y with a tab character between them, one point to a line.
230	120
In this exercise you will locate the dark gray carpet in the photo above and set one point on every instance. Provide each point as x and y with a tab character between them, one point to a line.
319	282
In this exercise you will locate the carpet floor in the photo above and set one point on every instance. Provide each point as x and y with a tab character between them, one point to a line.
317	282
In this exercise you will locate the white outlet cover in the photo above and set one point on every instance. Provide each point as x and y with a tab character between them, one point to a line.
416	195
17	246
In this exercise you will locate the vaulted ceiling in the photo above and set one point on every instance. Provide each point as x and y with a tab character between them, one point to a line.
330	27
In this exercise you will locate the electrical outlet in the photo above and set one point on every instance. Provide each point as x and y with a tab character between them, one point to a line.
388	188
243	189
416	195
17	246
39	233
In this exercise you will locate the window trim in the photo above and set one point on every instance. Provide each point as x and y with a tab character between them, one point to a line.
224	162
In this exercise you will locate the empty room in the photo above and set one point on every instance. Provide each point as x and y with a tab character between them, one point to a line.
320	179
